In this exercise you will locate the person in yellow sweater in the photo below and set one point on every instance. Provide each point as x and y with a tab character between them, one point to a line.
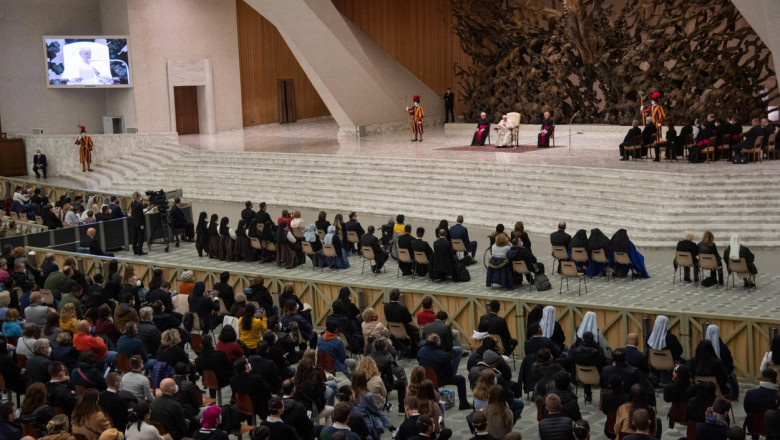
251	326
68	319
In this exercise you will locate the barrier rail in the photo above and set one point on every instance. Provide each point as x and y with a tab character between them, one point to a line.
748	338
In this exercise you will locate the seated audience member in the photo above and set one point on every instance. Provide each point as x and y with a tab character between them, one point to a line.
648	135
420	245
294	412
555	425
26	344
390	369
707	246
216	361
12	326
330	343
426	315
716	424
91	243
255	385
8	428
450	341
135	382
82	341
131	345
687	245
496	325
87	373
681	388
168	412
634	357
227	237
395	312
68	319
743	252
637	398
203	304
291	319
750	138
504	132
588	354
104	326
432	355
661	339
482	131
148	331
373	329
58	388
179	220
706	130
499	270
698	404
706	363
37	312
538	341
139	424
63	351
35	409
640	421
380	256
520	252
88	419
212	417
460	232
404	241
772	357
311	236
227	343
116	403
629	375
58	428
341	416
443	261
275	423
633	133
621	243
38	363
764	397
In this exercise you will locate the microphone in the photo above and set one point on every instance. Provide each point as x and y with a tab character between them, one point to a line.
576	114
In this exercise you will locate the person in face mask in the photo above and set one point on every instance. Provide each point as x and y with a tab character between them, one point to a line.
38	363
168	412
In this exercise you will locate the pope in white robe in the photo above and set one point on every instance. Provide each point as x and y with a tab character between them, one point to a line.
504	132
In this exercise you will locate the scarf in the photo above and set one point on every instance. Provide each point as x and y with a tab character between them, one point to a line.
311	233
588	325
329	236
657	339
734	246
713	335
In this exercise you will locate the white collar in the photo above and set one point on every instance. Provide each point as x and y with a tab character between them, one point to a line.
768	385
338	425
274	419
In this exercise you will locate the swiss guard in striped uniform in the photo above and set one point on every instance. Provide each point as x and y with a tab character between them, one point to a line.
417	113
85	150
656	111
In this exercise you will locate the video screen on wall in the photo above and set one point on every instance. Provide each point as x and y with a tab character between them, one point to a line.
87	61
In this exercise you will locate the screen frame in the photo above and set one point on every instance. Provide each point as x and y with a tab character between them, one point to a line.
86	86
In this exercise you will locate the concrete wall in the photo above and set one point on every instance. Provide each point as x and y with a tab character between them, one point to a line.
25	101
162	30
113	20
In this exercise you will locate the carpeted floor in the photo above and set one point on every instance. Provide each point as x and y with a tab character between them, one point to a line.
493	148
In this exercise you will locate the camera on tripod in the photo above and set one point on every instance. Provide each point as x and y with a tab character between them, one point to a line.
159	200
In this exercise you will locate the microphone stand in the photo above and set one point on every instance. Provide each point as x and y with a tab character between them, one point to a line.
571	153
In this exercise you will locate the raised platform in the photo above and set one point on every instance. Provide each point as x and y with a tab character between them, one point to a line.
744	317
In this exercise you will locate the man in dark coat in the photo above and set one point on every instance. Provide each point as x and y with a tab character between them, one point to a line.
380	256
768	130
395	312
405	242
629	374
247	214
560	238
295	413
353	225
168	412
443	260
253	384
89	241
179	220
496	325
687	245
750	138
716	426
420	245
764	397
115	403
459	232
432	355
634	357
138	223
39	163
630	138
648	135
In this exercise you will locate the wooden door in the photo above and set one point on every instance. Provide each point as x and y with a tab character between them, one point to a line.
186	102
285	92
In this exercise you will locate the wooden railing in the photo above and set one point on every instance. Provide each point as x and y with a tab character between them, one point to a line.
748	338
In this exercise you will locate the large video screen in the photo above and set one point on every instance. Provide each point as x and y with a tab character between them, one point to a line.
87	61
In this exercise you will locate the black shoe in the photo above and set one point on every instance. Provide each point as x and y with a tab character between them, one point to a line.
687	280
464	406
589	399
656	160
142	253
623	158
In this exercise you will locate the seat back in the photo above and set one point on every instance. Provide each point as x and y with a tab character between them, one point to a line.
569	269
560	253
579	255
661	360
458	246
255	243
210	379
420	257
328	250
708	262
738	266
758	142
28	429
622	258
683	259
404	256
757	425
712	379
499	345
196	342
122	363
609	427
431	375
587	375
520	267
368	252
514	117
398	330
306	248
690	432
244	404
599	256
325	362
352	237
21	361
79	389
540	410
47	297
678	412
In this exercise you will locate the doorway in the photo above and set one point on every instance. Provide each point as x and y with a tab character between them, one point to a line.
285	92
186	107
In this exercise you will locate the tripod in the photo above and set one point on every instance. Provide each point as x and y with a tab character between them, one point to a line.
165	225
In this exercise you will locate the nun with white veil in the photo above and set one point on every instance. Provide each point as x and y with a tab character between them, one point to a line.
724	354
661	339
589	324
737	250
552	329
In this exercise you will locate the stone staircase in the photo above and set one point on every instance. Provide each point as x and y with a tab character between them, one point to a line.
655	207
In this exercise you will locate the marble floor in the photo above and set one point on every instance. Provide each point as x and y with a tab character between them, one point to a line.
591	146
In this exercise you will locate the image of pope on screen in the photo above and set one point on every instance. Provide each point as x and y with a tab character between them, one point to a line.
87	62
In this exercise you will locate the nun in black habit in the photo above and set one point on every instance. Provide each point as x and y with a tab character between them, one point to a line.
621	243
